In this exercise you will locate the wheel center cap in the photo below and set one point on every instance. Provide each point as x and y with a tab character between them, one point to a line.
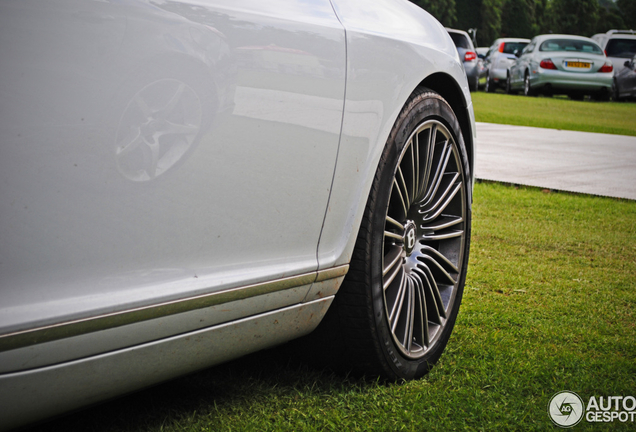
409	236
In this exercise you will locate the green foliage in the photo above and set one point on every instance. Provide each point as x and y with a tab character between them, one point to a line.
490	26
468	14
528	18
627	10
543	17
575	16
483	15
609	17
443	10
517	19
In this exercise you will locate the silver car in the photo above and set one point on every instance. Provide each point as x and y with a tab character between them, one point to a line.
184	183
625	81
501	55
473	65
561	64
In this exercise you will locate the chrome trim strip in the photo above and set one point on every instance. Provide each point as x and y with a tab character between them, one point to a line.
332	273
83	326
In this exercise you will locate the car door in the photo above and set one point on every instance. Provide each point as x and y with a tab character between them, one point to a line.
153	151
630	77
519	67
490	56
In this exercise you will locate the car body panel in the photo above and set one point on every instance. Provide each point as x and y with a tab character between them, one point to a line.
85	230
618	45
625	80
563	78
497	63
379	45
40	393
177	169
464	44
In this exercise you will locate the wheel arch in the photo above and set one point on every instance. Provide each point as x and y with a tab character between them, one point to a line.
450	90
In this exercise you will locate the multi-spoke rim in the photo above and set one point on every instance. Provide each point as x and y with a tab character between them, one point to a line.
424	237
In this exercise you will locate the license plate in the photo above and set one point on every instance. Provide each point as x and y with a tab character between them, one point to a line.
577	64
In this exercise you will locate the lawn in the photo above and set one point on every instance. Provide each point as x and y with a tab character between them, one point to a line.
549	306
556	113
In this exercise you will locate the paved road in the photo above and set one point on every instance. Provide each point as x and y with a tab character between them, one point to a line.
591	163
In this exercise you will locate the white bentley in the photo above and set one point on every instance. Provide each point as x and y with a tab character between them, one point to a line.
184	182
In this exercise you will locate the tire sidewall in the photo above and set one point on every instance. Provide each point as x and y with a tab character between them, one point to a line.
425	106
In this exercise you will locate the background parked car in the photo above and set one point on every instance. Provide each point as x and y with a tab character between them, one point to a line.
183	183
473	65
501	55
562	64
481	55
625	81
618	45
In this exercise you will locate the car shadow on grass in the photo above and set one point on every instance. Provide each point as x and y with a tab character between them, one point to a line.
235	386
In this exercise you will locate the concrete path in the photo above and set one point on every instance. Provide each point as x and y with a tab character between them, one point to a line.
590	163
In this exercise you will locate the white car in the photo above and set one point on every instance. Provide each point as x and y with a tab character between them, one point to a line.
619	46
187	182
501	55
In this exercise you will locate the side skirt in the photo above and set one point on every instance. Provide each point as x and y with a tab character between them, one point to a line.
33	395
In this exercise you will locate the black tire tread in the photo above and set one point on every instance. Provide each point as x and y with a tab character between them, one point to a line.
349	329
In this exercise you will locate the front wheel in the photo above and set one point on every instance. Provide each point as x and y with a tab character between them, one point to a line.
527	88
615	91
490	85
399	302
509	89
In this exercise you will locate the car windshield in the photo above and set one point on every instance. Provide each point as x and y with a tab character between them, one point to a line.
625	48
513	47
460	40
572	45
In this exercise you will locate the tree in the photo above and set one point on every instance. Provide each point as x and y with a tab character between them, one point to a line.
490	26
517	19
609	17
628	12
543	17
483	15
577	17
443	10
468	14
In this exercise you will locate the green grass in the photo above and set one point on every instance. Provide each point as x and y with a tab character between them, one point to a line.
549	305
556	113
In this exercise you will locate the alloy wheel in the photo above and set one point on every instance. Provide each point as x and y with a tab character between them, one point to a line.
424	238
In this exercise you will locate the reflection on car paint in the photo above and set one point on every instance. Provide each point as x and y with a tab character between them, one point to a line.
157	129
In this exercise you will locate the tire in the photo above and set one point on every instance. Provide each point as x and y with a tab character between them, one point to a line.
396	309
509	85
527	88
615	92
490	85
602	95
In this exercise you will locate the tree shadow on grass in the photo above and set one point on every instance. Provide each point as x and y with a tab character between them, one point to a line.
238	383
